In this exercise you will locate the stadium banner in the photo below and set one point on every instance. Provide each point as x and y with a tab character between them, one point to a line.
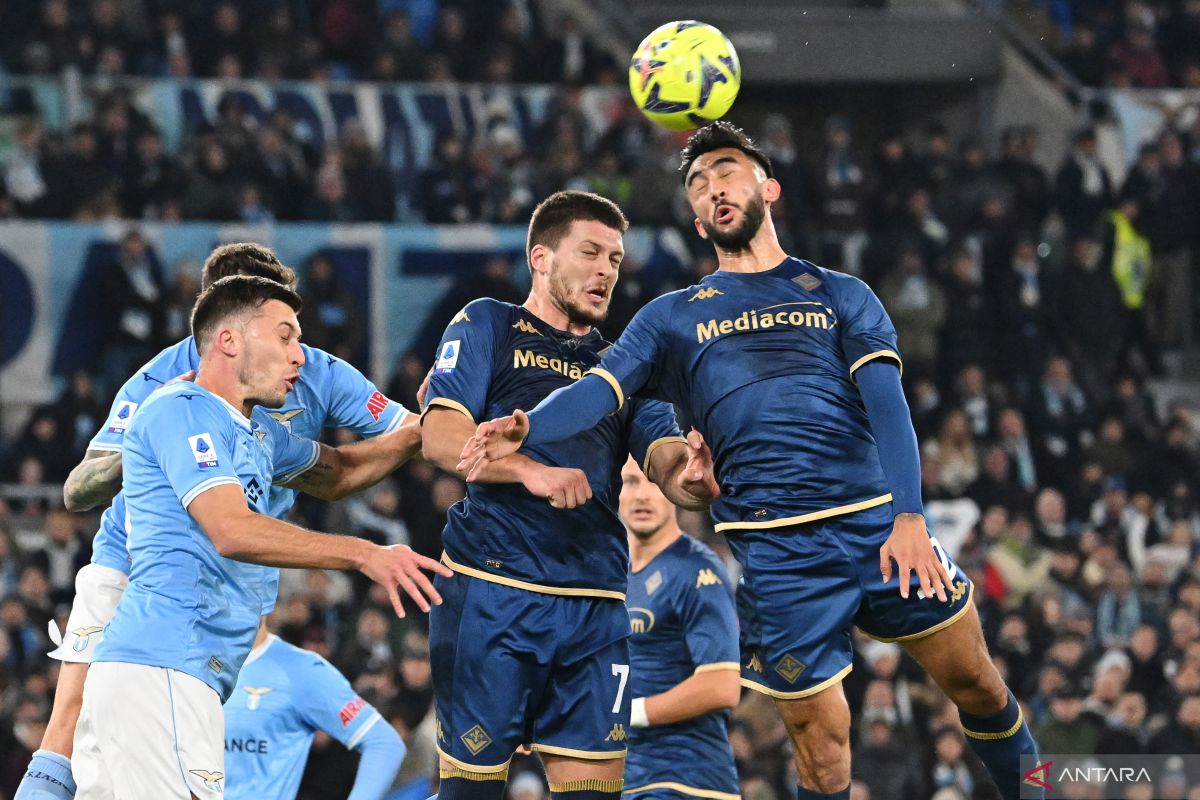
407	281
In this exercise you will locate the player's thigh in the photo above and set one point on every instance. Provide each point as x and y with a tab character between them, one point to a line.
487	650
798	595
884	614
584	715
98	589
156	733
957	659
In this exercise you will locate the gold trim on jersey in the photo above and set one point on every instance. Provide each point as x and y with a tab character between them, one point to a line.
1002	735
720	527
892	354
946	623
476	768
592	755
589	785
708	794
562	591
612	381
718	666
446	402
657	443
823	685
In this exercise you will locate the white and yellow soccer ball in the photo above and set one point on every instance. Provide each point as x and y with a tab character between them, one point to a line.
684	75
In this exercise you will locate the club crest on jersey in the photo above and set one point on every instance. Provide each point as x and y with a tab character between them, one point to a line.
654	581
212	780
254	696
790	668
448	358
377	403
120	420
285	418
476	739
82	636
202	449
807	281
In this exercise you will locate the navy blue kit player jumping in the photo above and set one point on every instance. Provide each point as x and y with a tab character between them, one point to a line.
683	654
530	646
792	373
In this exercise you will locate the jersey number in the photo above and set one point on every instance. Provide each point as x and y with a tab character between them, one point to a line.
621	671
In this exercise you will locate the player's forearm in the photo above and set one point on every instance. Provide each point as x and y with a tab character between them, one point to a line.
259	539
343	471
382	753
703	692
444	434
667	466
94	481
895	439
571	410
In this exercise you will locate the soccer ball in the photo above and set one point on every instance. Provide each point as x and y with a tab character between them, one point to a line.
684	75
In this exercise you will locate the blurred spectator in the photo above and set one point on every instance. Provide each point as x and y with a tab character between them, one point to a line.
1066	730
331	318
131	292
843	213
1083	187
917	307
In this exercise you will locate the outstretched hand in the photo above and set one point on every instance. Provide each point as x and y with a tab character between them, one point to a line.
493	441
697	478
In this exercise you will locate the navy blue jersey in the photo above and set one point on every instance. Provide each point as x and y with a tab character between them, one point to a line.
495	358
684	621
764	363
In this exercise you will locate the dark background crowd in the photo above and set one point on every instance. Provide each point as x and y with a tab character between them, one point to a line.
1059	467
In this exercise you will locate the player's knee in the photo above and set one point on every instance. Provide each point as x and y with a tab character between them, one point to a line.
977	687
824	766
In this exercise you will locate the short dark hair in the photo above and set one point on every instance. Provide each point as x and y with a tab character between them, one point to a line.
245	258
718	135
233	295
552	218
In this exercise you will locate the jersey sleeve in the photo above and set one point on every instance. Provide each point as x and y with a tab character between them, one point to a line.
291	455
111	437
632	366
192	440
867	331
328	703
462	371
709	618
356	403
652	424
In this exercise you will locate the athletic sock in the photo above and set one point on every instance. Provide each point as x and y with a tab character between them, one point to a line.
48	777
809	794
1000	740
592	789
458	784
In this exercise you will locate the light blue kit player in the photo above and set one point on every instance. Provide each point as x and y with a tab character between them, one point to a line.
329	394
283	696
196	477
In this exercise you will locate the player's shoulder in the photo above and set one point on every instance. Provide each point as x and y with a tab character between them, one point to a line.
482	312
840	284
169	363
175	404
298	662
318	363
695	563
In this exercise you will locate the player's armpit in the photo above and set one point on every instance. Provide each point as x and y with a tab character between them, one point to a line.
94	481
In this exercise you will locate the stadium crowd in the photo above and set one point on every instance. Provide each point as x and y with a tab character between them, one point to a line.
1059	481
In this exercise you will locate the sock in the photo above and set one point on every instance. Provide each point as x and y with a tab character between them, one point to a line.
48	777
999	740
458	784
593	789
809	794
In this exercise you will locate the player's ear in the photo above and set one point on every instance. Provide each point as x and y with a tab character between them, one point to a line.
771	190
700	228
539	258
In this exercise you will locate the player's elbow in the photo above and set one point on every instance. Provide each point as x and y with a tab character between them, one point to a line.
228	539
727	691
71	500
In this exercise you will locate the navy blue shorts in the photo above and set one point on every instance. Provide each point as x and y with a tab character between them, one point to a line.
803	587
513	667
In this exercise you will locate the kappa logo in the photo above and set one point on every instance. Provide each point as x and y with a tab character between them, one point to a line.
441	733
1043	770
807	281
202	449
476	739
790	668
706	577
461	316
82	636
377	404
120	420
448	358
705	294
617	734
212	780
254	696
755	664
526	327
285	418
960	589
654	581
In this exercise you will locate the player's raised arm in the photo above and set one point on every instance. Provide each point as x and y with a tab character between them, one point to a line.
339	472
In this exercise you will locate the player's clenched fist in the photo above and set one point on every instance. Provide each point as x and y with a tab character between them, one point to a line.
564	488
493	441
398	565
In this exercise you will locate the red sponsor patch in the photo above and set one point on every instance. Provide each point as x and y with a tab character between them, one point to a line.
377	404
350	710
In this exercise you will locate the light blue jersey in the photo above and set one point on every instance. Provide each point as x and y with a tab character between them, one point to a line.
187	608
284	695
329	394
